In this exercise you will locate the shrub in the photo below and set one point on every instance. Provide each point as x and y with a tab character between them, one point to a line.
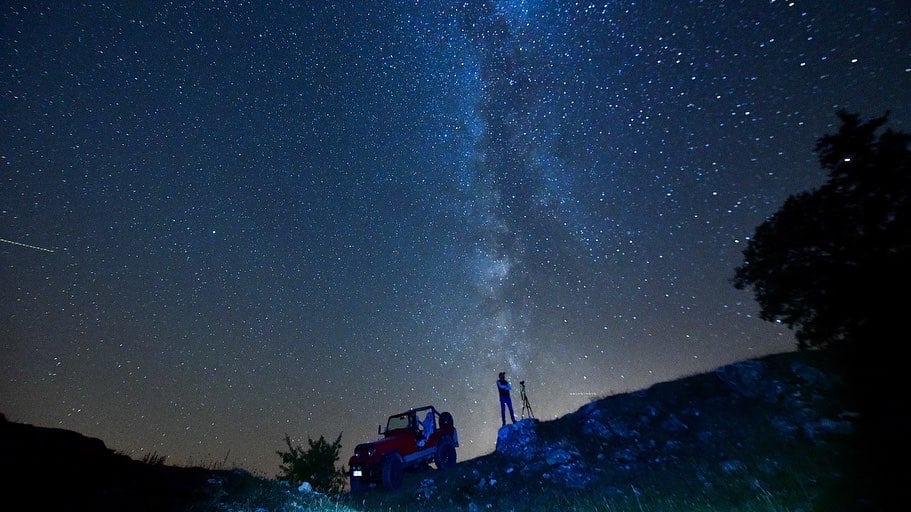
315	465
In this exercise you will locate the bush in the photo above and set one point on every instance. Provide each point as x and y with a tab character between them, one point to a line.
315	465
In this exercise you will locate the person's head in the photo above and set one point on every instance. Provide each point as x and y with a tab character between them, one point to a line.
502	375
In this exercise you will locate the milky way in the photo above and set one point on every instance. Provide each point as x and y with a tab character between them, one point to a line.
268	218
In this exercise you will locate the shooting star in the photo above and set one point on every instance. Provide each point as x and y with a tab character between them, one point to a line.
20	244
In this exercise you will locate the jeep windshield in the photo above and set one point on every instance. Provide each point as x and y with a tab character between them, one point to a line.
397	422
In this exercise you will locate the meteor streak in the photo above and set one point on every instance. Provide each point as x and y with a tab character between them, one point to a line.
25	245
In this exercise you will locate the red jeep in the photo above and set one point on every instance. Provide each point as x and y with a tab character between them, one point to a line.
412	440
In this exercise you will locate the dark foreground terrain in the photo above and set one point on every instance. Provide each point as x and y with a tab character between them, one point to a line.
770	434
59	470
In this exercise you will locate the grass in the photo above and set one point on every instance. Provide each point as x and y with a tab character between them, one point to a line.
154	459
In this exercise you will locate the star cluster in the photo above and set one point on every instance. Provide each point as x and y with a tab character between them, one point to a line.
226	221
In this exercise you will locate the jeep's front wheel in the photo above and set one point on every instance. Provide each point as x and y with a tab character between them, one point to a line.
393	471
445	456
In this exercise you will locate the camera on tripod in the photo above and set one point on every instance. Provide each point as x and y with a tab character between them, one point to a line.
526	405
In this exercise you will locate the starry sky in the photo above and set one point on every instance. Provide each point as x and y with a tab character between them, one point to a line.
226	221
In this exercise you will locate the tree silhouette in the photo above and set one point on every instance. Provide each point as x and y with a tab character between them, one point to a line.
315	465
832	264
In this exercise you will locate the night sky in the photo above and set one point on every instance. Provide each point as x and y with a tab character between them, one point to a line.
224	222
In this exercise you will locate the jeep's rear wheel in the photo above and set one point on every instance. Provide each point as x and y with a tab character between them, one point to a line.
445	456
393	471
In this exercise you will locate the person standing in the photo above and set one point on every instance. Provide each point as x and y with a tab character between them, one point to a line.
505	399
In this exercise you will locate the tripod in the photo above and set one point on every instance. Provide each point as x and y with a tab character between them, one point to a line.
526	406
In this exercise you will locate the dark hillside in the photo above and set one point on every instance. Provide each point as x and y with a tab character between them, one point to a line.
765	434
60	470
768	434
